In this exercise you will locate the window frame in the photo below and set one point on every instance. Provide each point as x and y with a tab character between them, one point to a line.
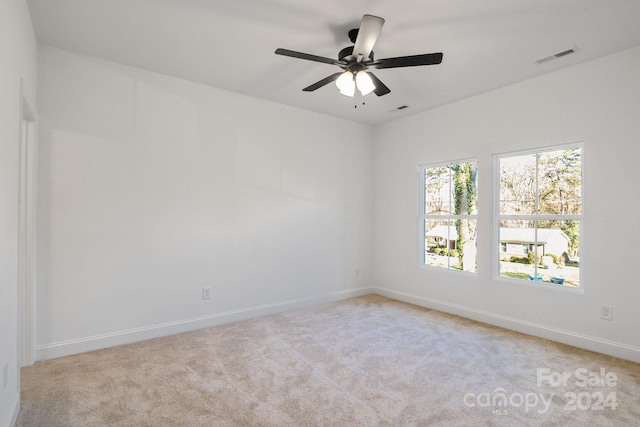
422	216
498	217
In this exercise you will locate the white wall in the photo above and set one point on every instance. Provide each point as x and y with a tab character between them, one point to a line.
18	62
598	103
152	188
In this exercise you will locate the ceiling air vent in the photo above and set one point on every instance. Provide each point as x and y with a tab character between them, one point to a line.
565	53
556	55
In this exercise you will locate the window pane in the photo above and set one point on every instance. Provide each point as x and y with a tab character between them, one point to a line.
560	182
440	239
560	255
518	185
465	188
543	251
451	244
466	246
438	190
518	239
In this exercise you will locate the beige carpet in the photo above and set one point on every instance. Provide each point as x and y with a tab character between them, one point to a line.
366	361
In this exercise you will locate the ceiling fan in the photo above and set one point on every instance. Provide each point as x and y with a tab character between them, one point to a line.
357	59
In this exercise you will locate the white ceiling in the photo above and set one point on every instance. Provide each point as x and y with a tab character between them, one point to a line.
230	44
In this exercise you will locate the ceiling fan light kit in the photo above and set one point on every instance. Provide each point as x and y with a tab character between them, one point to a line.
357	59
364	83
347	83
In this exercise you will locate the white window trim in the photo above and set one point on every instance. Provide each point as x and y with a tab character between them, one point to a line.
421	217
496	217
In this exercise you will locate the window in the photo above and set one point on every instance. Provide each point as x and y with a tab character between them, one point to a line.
448	215
540	213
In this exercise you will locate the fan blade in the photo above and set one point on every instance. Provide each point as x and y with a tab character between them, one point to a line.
380	89
323	82
409	61
368	33
309	57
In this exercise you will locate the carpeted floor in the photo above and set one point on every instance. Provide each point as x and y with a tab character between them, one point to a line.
367	361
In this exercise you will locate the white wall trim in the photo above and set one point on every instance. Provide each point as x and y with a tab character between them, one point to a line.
587	342
27	227
96	342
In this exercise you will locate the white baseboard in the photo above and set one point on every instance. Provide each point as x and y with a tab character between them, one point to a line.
81	345
66	348
587	342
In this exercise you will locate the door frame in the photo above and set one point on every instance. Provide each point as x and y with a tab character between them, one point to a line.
27	199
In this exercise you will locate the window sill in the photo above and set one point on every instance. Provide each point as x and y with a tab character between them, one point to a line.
541	285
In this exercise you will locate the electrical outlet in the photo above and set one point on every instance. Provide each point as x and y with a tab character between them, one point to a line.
206	293
5	376
606	312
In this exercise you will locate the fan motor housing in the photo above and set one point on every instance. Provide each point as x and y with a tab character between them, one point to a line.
348	51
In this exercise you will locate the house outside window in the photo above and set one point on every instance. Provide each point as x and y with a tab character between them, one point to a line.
448	215
540	215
